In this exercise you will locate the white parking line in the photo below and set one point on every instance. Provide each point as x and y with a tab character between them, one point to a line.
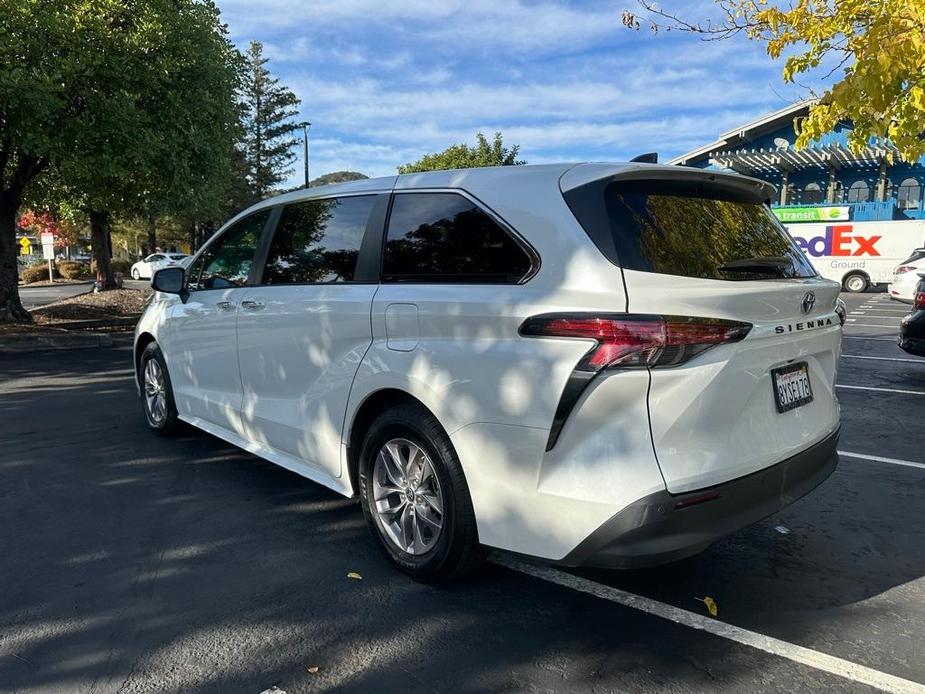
859	356
882	390
798	654
881	459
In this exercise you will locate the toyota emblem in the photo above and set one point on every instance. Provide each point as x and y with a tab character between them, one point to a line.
809	300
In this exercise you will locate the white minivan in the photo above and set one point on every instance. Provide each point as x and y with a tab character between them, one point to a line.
609	365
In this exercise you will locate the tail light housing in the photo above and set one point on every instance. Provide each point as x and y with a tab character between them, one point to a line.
919	302
627	340
903	269
623	340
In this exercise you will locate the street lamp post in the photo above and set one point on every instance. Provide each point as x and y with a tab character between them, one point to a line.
305	129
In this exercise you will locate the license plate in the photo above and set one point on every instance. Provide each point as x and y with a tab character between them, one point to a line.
791	386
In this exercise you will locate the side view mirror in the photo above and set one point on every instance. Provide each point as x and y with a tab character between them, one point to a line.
170	280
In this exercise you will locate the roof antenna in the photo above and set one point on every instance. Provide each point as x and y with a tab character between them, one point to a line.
647	158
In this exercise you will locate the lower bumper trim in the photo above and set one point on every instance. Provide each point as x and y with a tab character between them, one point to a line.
664	527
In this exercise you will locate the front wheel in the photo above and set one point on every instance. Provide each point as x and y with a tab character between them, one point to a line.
415	497
135	274
156	391
856	283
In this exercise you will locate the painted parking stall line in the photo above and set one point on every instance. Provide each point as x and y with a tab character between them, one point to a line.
882	459
784	649
868	337
861	356
849	324
875	389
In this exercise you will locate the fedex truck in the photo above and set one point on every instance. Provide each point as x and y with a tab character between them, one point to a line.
858	254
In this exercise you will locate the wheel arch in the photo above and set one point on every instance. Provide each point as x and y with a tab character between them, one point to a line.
371	407
144	339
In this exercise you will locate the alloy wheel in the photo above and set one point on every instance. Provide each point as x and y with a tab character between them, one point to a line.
155	391
409	501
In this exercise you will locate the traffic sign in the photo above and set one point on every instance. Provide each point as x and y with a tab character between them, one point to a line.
25	246
48	239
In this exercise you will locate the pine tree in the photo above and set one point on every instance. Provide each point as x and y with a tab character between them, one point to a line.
269	126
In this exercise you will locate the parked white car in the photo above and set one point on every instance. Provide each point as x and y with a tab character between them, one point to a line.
906	277
145	269
609	365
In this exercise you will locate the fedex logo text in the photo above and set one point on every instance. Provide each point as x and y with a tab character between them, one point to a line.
838	240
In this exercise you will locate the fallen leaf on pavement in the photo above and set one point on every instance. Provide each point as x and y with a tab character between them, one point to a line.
355	576
312	669
712	607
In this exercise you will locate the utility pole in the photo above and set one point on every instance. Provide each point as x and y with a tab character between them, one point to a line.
305	129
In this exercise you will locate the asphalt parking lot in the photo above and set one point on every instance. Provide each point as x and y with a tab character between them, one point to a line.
133	563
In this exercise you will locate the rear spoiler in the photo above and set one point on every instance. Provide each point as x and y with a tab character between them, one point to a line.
594	178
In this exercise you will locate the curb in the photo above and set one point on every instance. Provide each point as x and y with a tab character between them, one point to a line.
128	321
36	285
30	343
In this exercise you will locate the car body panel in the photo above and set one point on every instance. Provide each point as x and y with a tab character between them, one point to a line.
727	426
296	385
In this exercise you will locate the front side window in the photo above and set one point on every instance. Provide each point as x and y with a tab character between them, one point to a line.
446	238
154	258
318	241
226	263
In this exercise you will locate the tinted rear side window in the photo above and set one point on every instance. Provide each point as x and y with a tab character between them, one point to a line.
318	241
445	237
682	230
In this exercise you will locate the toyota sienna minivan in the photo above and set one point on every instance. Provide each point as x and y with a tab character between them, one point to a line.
596	364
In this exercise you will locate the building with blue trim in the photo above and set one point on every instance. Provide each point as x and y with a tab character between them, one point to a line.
875	184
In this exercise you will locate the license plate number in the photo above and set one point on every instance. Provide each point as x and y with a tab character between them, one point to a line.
791	386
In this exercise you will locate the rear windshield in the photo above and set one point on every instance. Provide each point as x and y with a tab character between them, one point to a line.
680	229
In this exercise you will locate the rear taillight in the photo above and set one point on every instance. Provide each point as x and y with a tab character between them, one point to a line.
919	303
625	340
904	268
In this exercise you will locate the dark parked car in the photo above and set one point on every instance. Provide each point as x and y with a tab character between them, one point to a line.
912	329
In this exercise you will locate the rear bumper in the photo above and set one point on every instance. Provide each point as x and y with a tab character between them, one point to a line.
664	527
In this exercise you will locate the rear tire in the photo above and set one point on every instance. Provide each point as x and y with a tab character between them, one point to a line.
156	392
408	470
135	274
856	283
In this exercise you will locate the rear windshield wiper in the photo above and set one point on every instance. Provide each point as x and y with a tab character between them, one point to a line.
770	263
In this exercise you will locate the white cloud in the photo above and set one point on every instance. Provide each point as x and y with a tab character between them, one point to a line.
384	82
501	26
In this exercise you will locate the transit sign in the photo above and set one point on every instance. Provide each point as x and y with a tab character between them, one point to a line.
815	213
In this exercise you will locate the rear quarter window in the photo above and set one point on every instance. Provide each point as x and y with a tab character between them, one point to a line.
447	238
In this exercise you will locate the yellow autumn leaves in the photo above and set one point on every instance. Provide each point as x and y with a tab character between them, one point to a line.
873	50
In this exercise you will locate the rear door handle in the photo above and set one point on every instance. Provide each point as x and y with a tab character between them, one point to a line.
225	305
252	305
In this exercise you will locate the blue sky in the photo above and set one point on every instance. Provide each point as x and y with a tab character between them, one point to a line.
386	82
